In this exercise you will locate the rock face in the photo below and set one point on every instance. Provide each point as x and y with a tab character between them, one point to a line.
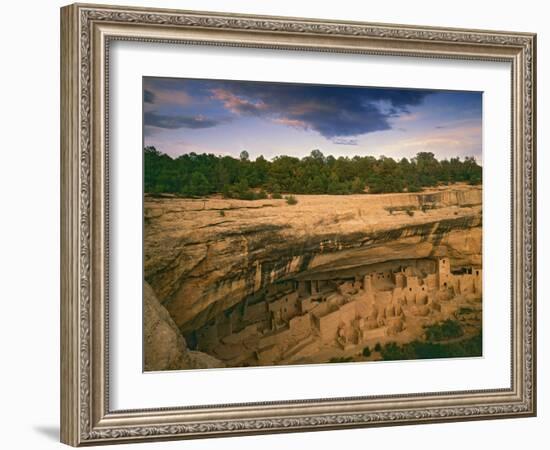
164	346
205	256
320	317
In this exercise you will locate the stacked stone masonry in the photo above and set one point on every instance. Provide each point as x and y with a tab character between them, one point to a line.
311	319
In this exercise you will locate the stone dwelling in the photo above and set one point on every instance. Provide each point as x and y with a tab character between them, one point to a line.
300	317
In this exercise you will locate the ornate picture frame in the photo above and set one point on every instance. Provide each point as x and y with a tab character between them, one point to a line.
87	31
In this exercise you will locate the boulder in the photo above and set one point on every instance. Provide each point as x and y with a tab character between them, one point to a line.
164	346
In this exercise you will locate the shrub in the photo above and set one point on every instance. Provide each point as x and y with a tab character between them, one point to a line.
222	213
429	350
226	191
246	195
448	329
276	195
261	195
291	200
366	352
410	212
394	352
377	347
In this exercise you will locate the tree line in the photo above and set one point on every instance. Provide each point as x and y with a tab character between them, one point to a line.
195	175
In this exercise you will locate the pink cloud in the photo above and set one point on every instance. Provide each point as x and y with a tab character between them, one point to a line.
308	107
411	117
235	104
291	122
174	97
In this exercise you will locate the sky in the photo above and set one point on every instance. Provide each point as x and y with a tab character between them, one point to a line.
225	117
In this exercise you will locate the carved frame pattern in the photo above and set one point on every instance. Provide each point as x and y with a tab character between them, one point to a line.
86	418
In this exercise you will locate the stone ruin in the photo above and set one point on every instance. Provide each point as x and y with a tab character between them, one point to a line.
311	318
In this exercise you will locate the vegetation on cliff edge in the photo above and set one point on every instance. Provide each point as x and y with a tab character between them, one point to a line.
469	347
195	175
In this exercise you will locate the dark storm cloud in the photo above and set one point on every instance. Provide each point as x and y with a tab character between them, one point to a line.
148	96
173	122
332	111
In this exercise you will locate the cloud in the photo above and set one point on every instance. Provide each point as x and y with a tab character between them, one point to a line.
291	122
165	92
332	111
148	96
237	104
404	116
343	141
149	131
173	122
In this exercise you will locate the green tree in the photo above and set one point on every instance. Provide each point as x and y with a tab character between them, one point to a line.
291	200
357	185
198	184
317	155
203	174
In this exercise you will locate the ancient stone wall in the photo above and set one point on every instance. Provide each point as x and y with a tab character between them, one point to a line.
300	326
343	313
255	312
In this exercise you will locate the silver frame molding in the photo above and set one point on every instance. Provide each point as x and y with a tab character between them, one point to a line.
86	33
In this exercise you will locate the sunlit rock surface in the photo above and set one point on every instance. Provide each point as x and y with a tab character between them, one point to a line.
202	257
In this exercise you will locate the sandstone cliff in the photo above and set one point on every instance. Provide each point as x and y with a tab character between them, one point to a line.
164	346
204	256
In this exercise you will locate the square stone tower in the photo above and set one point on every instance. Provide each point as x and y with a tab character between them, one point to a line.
478	278
367	283
443	272
400	280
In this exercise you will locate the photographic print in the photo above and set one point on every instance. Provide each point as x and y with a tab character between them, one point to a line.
308	224
281	204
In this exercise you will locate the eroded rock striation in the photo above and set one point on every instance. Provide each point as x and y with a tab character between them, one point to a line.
204	256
